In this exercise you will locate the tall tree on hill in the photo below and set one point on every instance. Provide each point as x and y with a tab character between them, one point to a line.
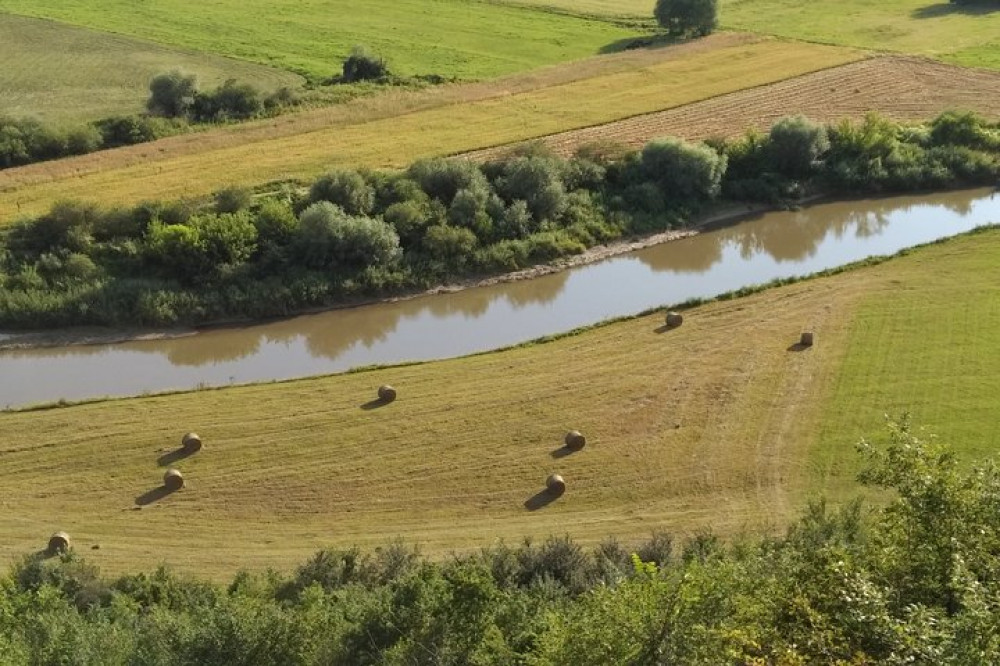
683	18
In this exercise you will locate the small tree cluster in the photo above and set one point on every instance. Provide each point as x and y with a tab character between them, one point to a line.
176	95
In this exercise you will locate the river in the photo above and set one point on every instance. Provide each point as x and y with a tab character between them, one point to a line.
755	250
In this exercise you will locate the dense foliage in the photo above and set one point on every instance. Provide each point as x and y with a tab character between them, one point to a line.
695	18
356	234
914	581
176	95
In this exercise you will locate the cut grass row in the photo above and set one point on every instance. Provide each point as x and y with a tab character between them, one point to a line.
63	74
712	425
636	86
451	38
959	34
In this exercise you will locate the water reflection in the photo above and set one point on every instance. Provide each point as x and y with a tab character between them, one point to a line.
760	248
330	334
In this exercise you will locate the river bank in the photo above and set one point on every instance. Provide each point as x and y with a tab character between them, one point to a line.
721	215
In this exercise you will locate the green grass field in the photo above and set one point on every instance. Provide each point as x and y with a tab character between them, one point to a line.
453	38
922	342
60	73
961	35
712	425
392	138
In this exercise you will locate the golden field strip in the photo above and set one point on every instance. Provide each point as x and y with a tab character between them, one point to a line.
394	132
714	425
904	88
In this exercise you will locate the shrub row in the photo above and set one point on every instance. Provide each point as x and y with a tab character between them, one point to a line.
362	233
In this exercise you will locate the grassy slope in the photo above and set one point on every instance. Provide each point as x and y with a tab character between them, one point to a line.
64	74
709	425
925	342
446	37
395	141
965	36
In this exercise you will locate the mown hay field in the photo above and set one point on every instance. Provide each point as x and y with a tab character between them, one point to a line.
192	166
451	38
64	74
964	35
904	88
715	424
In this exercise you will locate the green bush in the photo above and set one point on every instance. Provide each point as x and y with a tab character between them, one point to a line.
537	181
442	178
207	245
453	245
329	238
232	199
468	209
230	101
128	130
409	219
363	65
795	145
172	94
345	188
683	171
964	128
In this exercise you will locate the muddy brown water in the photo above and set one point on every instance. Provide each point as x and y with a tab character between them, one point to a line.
755	250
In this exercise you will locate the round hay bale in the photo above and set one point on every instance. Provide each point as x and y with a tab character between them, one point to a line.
58	543
807	339
674	319
555	484
386	393
575	440
173	479
191	442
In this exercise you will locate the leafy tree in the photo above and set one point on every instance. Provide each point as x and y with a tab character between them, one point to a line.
172	94
687	17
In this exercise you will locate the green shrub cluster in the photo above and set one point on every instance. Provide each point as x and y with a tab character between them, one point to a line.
176	95
174	102
354	234
915	580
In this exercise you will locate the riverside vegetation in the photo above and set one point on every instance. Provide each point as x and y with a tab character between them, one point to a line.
361	234
913	579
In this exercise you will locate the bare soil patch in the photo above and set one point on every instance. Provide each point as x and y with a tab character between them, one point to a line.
902	88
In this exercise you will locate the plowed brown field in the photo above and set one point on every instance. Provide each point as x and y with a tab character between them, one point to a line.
903	88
